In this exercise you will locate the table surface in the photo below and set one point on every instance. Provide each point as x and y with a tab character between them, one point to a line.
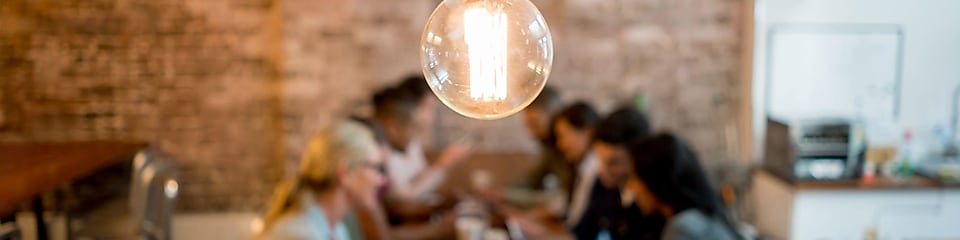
30	169
877	183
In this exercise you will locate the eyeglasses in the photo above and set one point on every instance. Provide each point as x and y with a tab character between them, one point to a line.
379	167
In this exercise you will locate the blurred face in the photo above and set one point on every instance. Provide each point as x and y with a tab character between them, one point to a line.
383	150
614	166
425	112
537	122
362	182
572	142
399	133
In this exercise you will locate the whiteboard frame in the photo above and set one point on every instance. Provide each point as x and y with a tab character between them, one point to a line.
834	28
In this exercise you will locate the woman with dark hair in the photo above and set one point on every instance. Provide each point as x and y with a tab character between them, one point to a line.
668	179
573	129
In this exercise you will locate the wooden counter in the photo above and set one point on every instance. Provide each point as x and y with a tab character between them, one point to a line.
877	183
30	169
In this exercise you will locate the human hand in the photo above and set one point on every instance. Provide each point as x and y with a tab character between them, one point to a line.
530	228
453	154
361	186
491	195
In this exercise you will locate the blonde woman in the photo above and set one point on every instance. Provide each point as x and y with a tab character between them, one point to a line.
337	172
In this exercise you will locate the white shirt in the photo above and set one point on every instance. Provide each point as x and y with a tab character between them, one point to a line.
410	177
309	222
587	175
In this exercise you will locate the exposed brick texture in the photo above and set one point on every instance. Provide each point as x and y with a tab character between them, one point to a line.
196	78
235	88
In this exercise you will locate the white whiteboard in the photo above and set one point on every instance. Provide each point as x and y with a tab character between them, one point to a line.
848	72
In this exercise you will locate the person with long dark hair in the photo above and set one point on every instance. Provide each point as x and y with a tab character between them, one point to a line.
573	128
668	179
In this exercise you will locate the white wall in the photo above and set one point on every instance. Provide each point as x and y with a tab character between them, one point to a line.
931	57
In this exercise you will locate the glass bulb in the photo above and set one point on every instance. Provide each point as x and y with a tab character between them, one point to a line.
486	59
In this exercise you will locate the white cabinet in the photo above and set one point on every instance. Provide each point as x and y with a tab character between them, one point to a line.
849	214
951	201
919	227
788	212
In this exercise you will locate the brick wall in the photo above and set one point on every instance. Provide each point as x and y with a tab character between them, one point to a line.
234	88
337	52
199	79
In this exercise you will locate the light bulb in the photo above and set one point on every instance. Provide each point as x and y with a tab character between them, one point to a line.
486	59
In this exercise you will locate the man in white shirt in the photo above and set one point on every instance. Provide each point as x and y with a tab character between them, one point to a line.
403	112
411	177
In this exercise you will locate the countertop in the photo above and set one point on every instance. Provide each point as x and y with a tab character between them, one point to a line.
877	183
29	169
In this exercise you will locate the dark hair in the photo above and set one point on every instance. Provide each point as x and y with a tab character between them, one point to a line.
623	126
415	84
670	170
394	103
580	115
379	135
548	100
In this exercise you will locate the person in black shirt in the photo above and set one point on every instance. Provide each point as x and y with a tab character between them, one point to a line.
608	213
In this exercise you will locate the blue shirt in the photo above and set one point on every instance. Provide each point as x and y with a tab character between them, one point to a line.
308	222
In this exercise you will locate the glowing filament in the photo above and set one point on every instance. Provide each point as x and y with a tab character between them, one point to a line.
485	34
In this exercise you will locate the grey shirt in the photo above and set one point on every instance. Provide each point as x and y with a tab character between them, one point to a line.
693	224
